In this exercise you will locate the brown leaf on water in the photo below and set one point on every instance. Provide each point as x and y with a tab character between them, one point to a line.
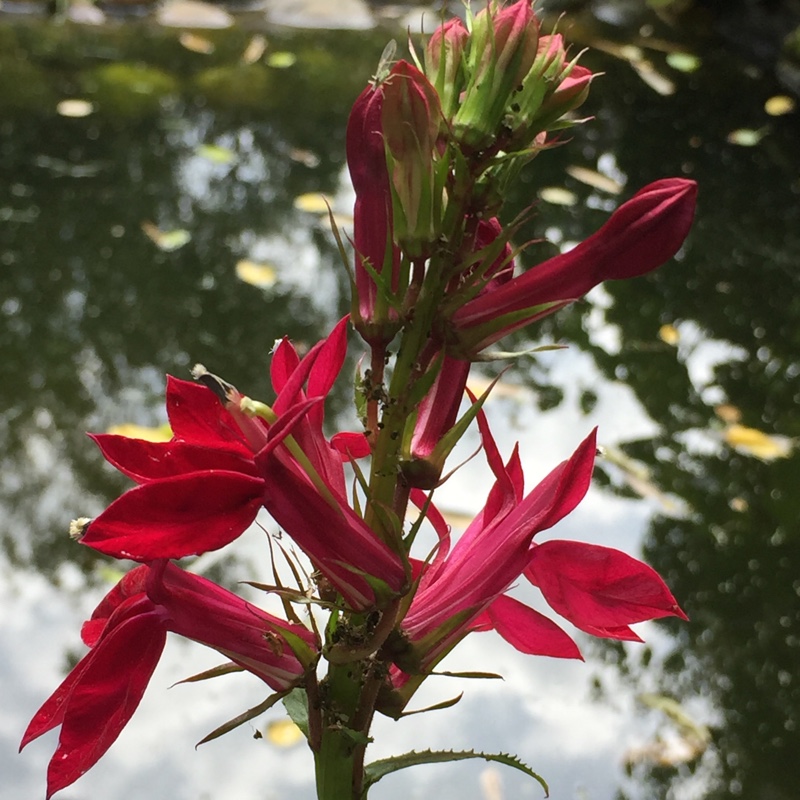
595	179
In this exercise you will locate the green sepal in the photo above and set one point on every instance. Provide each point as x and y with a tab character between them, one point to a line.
214	672
378	769
245	716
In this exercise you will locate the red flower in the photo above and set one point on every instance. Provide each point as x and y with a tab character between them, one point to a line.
639	236
202	489
127	633
600	590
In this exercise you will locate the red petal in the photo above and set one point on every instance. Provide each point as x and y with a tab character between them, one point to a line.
196	415
177	517
284	362
351	444
145	461
104	697
529	631
599	589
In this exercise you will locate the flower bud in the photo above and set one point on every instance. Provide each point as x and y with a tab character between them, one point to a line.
410	121
502	50
376	253
443	63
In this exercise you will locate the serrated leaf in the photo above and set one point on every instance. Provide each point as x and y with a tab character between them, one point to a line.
378	769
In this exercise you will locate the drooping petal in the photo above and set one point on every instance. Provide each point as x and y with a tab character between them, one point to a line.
599	589
176	517
144	461
526	629
104	696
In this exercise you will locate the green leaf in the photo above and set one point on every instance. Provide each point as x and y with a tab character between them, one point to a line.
245	716
296	705
377	769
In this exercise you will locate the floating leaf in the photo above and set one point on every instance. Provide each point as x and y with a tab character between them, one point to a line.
160	433
669	334
193	14
756	443
746	137
595	179
657	81
683	62
304	157
166	240
311	203
558	196
75	108
676	712
195	43
216	153
283	733
281	60
780	104
261	275
256	48
728	413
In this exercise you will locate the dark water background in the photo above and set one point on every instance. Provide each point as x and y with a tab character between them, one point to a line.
93	314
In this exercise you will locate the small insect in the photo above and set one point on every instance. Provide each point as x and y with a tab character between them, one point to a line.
385	64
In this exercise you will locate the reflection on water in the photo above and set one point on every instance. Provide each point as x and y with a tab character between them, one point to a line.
94	314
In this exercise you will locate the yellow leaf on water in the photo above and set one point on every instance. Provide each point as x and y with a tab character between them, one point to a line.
683	62
780	104
283	733
215	153
256	48
161	433
595	179
557	196
166	240
196	44
756	443
261	275
311	203
281	60
74	108
669	334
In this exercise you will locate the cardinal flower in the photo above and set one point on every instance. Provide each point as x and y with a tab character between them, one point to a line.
201	490
127	633
639	236
600	590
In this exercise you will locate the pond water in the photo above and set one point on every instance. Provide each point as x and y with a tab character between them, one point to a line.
208	153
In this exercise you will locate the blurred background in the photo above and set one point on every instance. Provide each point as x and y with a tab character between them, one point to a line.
160	178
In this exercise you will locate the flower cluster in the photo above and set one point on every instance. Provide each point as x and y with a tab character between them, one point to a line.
431	148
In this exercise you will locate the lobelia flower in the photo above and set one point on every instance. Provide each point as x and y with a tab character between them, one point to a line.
127	633
444	65
373	315
203	489
640	235
410	121
598	589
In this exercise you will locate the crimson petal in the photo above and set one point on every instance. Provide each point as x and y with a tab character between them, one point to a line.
176	517
599	589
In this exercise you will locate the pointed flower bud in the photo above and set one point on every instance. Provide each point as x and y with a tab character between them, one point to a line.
376	254
501	52
443	63
410	121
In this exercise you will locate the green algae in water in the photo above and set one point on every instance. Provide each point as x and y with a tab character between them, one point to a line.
130	90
